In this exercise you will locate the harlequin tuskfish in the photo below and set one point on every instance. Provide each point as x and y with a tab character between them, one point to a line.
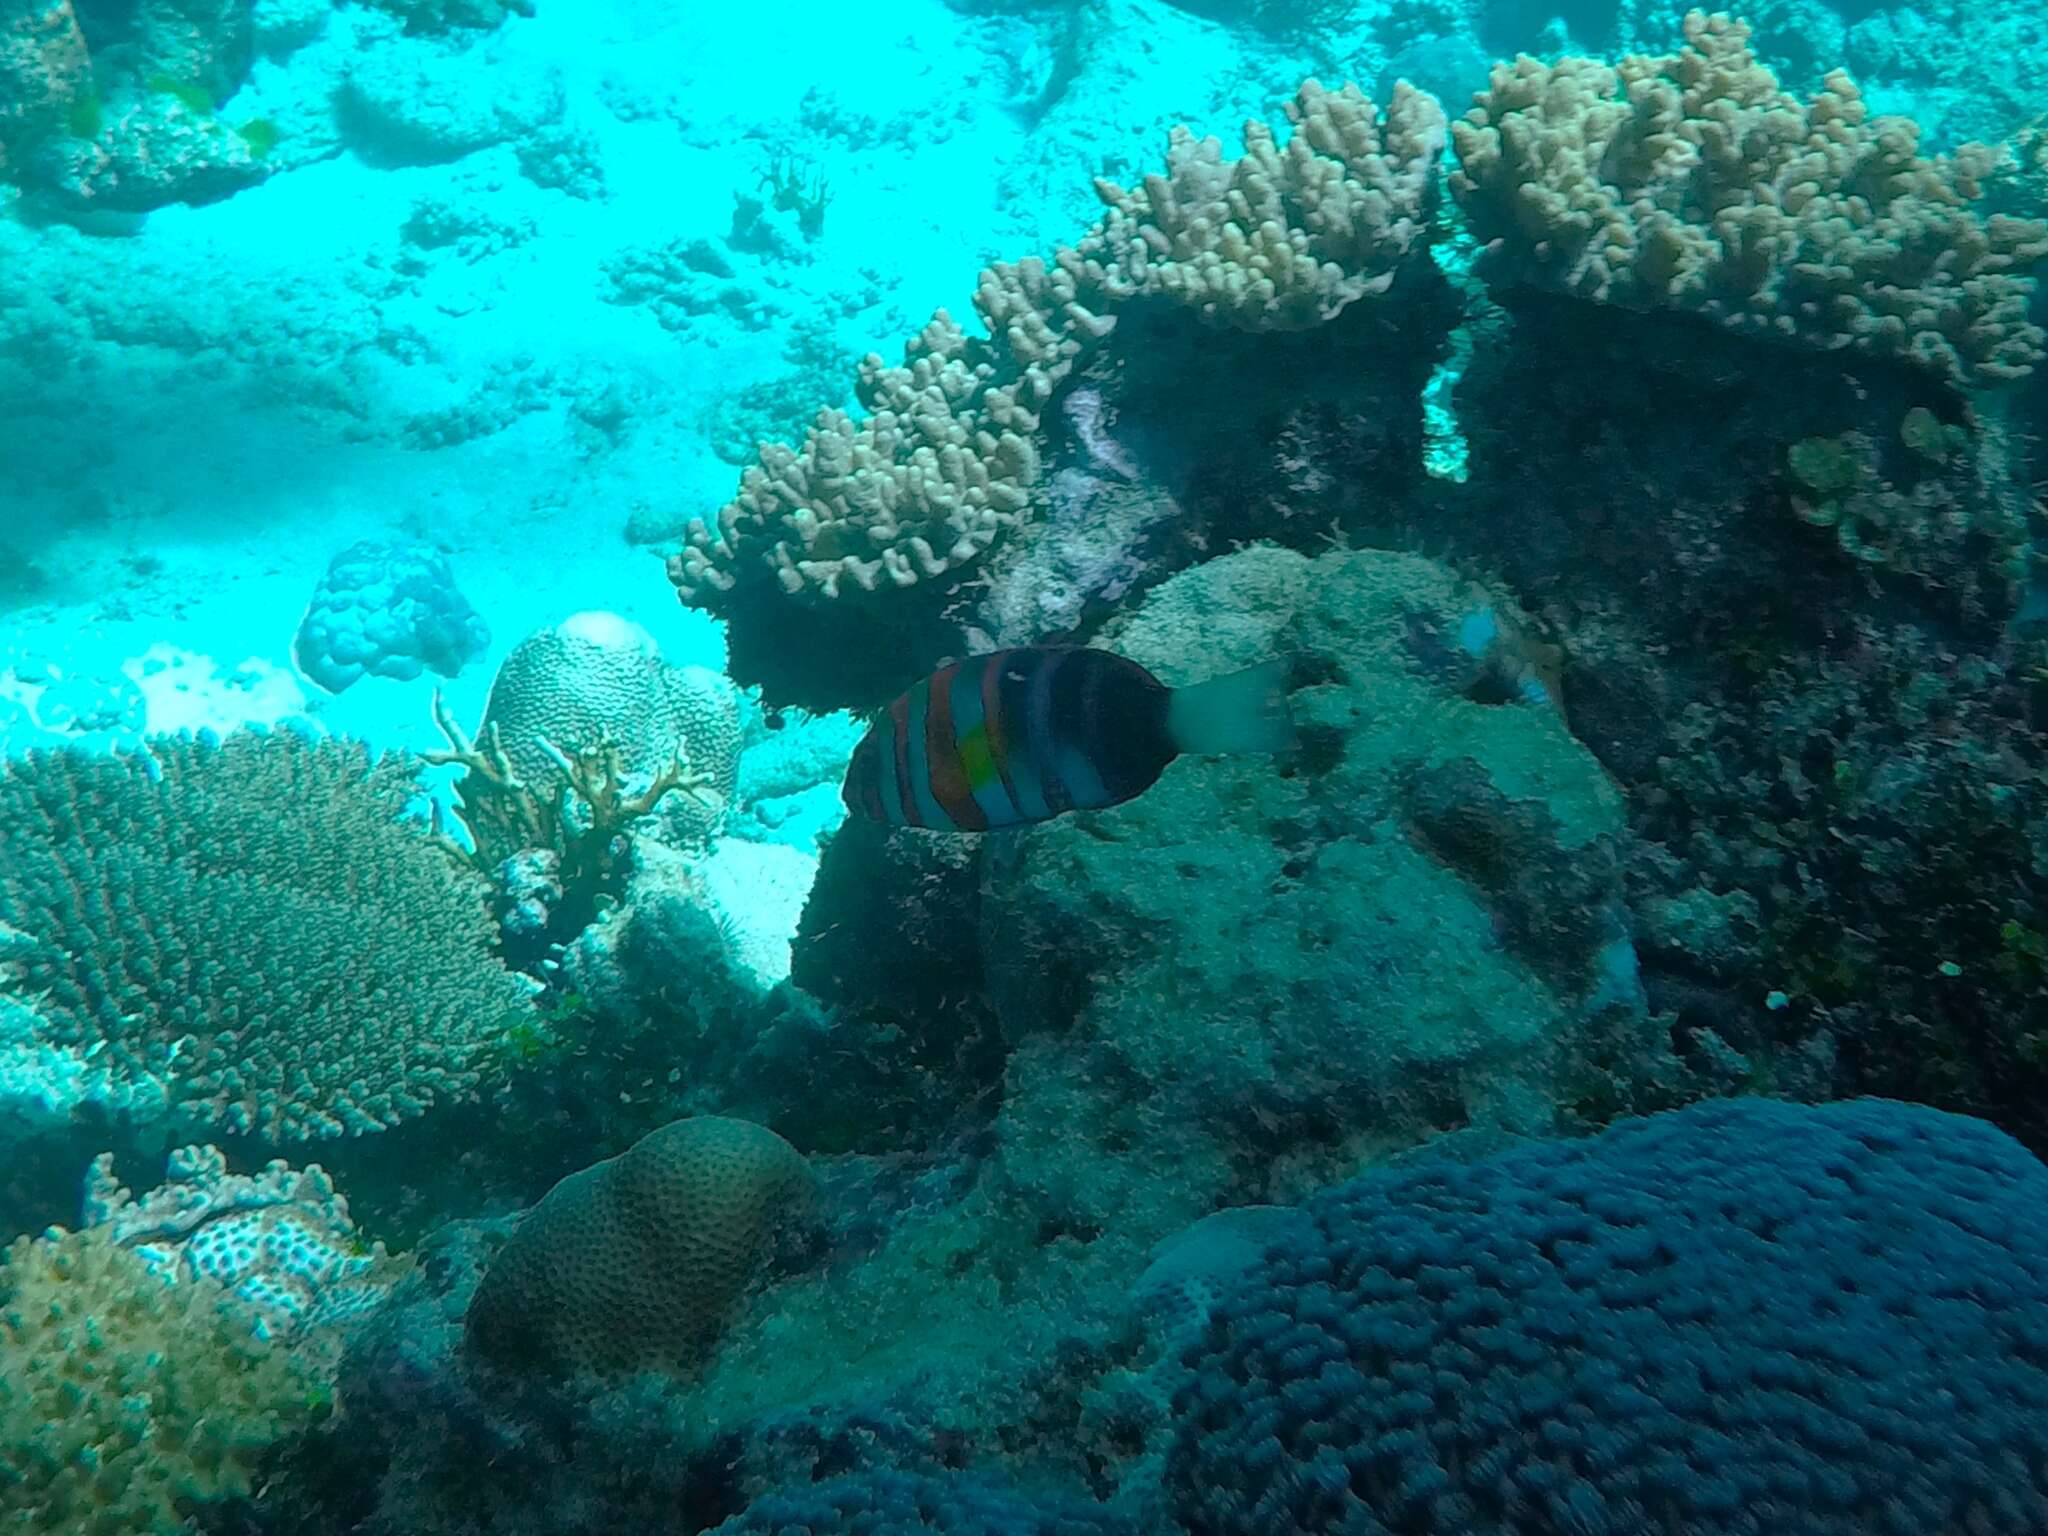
1023	735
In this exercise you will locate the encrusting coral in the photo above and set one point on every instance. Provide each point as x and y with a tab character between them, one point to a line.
243	933
44	71
280	1241
127	1401
944	461
1743	1317
636	1262
1692	182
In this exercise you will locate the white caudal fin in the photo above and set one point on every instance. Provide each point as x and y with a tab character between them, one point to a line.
1241	712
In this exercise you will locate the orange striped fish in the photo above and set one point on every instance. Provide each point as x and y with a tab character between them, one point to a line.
1024	735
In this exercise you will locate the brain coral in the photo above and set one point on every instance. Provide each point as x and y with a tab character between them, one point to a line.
1692	182
635	1262
1742	1318
126	1400
889	1503
245	930
597	679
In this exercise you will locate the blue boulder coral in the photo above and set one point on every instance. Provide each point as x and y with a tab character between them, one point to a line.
904	1504
1738	1318
386	610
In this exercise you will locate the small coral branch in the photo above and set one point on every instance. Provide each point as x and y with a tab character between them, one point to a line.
503	814
578	827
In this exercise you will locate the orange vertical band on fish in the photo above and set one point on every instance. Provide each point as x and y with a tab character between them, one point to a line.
1022	735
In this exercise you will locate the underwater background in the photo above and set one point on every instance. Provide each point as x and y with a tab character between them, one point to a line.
471	472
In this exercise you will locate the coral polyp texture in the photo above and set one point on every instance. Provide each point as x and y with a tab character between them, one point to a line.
1693	182
889	1503
44	69
597	680
1744	1317
944	461
242	933
280	1241
128	1402
636	1262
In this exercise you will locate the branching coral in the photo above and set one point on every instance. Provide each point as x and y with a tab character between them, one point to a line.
246	927
579	818
1692	182
944	462
1283	238
128	1402
588	731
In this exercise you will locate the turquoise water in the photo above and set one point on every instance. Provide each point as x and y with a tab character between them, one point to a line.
580	953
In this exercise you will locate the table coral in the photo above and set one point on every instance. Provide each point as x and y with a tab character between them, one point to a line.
1743	1317
247	928
1692	182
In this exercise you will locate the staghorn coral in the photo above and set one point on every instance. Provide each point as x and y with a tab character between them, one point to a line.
596	681
1691	182
1743	1317
281	1241
128	1403
636	1262
244	931
944	461
588	731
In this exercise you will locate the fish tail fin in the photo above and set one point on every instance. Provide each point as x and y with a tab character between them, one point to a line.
1239	712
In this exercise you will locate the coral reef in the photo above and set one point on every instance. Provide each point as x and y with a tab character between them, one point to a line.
45	72
439	16
1720	1320
128	1403
1441	824
279	1242
409	102
636	1262
386	610
588	732
943	464
242	933
905	1504
1692	182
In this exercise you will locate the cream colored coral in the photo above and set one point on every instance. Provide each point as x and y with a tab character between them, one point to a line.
1281	238
944	462
124	1397
1692	182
